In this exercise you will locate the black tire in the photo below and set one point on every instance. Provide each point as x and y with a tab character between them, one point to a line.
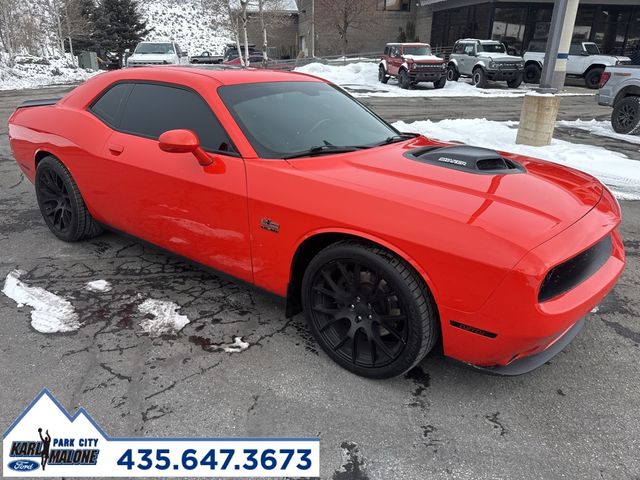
378	326
479	78
532	73
592	78
382	75
61	203
515	82
625	117
440	83
452	73
404	80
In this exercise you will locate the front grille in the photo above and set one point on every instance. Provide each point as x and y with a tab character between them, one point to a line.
571	273
431	66
507	66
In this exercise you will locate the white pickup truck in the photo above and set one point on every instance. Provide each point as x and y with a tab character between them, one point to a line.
157	53
585	60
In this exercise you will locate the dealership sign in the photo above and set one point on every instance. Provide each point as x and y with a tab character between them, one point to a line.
46	441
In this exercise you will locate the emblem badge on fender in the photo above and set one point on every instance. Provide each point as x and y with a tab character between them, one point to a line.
268	224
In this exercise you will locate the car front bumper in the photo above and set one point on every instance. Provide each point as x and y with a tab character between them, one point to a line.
513	324
503	74
427	76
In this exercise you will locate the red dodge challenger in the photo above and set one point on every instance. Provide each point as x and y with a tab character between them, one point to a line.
387	241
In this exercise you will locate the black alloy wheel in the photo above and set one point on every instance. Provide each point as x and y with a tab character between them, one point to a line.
368	310
625	117
61	204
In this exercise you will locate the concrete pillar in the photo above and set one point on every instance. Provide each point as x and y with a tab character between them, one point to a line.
560	70
538	119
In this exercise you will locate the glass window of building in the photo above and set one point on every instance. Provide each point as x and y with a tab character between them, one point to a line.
584	23
509	26
394	5
610	29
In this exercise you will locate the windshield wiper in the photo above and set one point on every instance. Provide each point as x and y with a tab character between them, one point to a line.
325	150
397	138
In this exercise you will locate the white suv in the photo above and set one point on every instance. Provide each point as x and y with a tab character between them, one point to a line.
585	60
157	53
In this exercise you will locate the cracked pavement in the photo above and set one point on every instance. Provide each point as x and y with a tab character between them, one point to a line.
576	417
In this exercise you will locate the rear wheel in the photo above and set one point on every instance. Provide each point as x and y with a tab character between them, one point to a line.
532	73
61	204
625	117
440	83
382	75
404	80
368	310
515	82
592	78
479	78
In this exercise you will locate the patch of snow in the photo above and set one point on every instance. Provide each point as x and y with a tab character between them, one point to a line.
599	127
51	313
361	79
34	72
595	309
237	346
98	286
620	173
165	317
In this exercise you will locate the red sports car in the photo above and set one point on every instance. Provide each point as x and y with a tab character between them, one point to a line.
388	241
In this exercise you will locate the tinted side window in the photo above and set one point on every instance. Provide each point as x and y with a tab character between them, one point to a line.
458	48
575	49
469	49
153	109
108	105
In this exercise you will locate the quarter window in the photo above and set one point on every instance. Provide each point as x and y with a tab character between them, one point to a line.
153	109
108	105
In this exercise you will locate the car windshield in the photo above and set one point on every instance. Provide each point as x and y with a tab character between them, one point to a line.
491	48
154	48
282	119
591	48
422	50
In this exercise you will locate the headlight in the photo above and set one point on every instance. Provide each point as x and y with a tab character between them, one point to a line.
493	65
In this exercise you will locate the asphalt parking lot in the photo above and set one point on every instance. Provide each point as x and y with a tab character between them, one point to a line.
578	417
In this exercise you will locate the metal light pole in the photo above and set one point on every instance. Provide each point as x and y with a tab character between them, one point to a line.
313	28
556	54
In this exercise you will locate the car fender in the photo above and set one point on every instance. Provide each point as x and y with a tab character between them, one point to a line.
453	61
533	62
375	239
594	65
480	64
404	65
630	90
383	64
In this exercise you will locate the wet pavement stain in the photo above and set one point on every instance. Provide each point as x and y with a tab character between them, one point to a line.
354	466
493	419
623	331
429	434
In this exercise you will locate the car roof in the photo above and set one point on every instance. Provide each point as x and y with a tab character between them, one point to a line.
478	40
410	44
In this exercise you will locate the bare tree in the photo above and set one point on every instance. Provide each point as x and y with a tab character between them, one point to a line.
343	16
225	19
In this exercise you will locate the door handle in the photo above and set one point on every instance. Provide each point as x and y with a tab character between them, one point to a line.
115	149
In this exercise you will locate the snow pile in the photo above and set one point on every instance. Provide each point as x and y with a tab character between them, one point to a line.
618	172
237	346
31	72
98	286
361	79
598	127
165	319
50	314
186	23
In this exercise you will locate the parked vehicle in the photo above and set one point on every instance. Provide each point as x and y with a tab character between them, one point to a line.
157	53
484	60
411	63
620	89
231	51
387	241
206	57
584	60
254	59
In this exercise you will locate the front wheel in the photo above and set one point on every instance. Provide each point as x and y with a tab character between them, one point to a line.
479	78
368	310
592	78
382	75
532	73
404	80
61	204
625	117
440	83
515	82
452	73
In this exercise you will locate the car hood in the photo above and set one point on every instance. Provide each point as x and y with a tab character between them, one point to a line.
500	57
151	57
423	58
608	59
538	203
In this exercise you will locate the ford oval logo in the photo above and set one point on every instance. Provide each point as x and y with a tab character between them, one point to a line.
23	465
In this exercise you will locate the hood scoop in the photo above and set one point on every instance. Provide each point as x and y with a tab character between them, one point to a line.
466	158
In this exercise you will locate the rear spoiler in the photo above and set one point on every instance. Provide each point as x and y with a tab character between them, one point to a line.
39	103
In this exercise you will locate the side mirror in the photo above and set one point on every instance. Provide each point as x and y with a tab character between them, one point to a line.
184	141
584	53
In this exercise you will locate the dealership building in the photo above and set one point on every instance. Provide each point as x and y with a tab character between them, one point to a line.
613	25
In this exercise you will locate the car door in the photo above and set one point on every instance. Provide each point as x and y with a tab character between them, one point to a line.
467	59
395	60
576	60
169	199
